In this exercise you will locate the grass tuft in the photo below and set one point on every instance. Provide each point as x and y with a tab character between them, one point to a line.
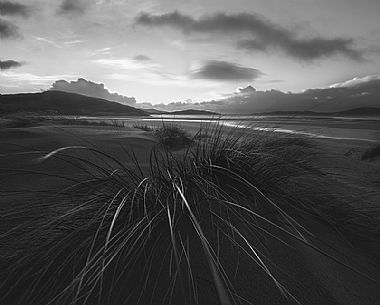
372	153
172	135
87	122
21	121
144	127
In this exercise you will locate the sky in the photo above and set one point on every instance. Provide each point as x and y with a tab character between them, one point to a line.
176	51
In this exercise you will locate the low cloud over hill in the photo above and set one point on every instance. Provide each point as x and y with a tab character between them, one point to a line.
89	88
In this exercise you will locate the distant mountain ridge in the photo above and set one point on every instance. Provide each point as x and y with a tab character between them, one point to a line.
367	111
194	112
181	112
66	103
361	111
63	103
155	111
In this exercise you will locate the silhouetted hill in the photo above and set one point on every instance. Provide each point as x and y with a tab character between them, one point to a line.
362	111
298	113
155	111
194	112
181	112
63	103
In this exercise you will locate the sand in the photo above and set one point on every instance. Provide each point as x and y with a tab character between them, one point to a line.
21	147
310	276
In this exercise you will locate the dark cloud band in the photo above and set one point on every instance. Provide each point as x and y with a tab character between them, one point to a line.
142	57
9	64
258	32
8	30
222	70
13	9
72	7
307	49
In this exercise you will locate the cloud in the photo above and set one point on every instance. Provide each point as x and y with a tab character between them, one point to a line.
247	90
8	30
85	87
74	42
73	7
356	81
146	71
258	34
11	78
223	70
307	49
248	100
13	9
102	51
142	58
365	93
126	64
253	45
9	64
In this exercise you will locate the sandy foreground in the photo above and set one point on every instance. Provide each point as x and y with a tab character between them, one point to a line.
310	276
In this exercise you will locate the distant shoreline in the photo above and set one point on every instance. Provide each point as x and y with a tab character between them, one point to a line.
356	129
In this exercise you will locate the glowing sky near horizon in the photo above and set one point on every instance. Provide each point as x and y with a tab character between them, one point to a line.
179	50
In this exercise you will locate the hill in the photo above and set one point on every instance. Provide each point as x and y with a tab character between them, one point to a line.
366	111
361	111
291	113
181	112
63	103
194	112
154	111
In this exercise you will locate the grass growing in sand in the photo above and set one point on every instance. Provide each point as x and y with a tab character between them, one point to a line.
371	153
20	121
86	122
129	236
26	120
144	127
170	135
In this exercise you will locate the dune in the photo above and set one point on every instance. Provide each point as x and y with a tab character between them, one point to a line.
75	230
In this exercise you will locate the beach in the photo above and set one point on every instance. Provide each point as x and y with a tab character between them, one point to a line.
322	269
189	152
365	129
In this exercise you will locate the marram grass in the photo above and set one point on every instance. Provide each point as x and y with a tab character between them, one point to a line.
159	236
372	153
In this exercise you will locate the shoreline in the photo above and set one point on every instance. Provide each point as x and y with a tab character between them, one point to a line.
367	131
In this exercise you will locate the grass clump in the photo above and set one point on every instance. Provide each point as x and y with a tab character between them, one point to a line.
21	121
87	122
144	127
169	135
172	135
372	153
132	237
